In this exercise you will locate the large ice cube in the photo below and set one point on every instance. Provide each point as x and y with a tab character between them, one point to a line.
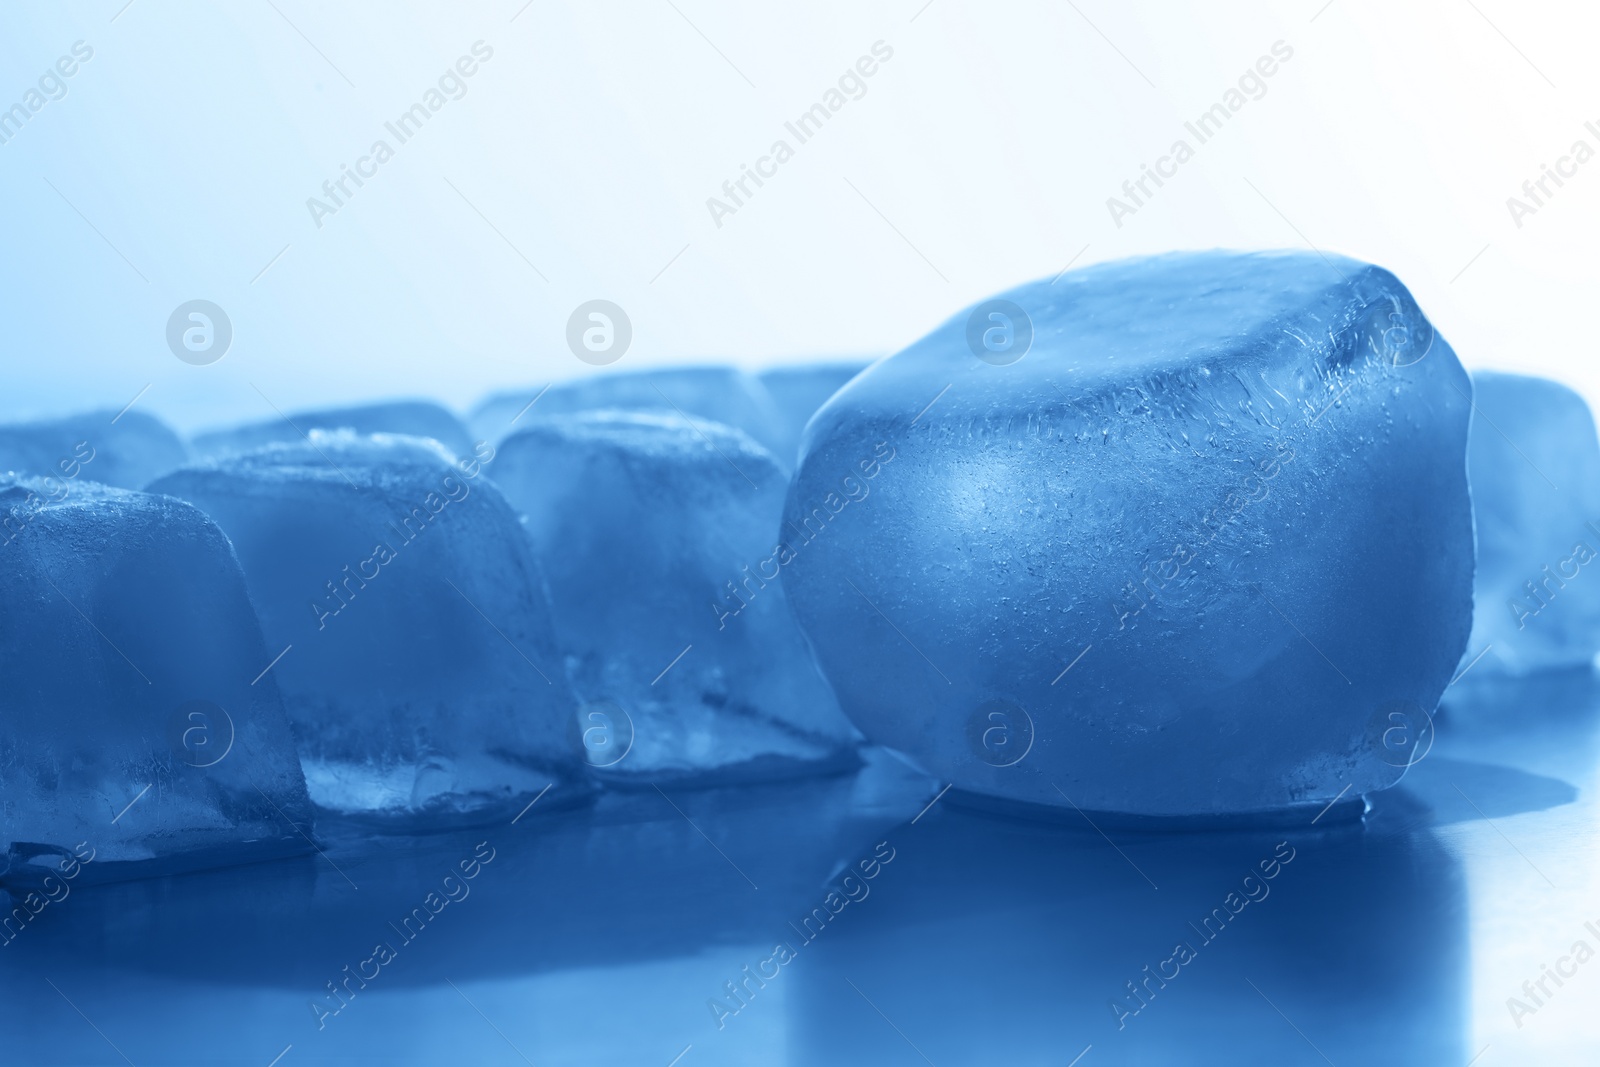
135	723
125	449
800	390
1204	548
418	666
720	394
659	539
1534	463
418	418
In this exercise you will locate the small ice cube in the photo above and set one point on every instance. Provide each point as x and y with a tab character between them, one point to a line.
418	664
1534	464
661	542
136	723
125	449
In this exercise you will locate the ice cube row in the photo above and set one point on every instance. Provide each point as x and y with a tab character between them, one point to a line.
1183	536
366	625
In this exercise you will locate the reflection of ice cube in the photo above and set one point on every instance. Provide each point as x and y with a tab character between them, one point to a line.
800	390
418	418
1534	463
721	394
127	652
666	900
1158	976
420	674
1205	529
654	534
125	450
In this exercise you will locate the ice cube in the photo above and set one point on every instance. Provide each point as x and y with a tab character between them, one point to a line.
418	666
720	394
1534	464
418	418
125	449
134	729
1186	535
660	540
800	390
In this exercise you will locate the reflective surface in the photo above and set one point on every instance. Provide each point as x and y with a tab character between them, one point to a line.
607	933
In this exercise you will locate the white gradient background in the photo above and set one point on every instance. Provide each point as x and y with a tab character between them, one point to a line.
593	138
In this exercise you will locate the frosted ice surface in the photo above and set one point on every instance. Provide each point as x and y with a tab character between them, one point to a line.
124	449
721	394
418	418
659	538
131	730
1204	548
1534	463
800	390
422	678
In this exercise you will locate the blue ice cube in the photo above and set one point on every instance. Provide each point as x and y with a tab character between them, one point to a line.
800	390
1185	535
417	418
125	449
659	538
1534	463
720	394
418	663
132	735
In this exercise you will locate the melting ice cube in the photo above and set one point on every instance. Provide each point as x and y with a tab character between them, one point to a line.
1185	535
